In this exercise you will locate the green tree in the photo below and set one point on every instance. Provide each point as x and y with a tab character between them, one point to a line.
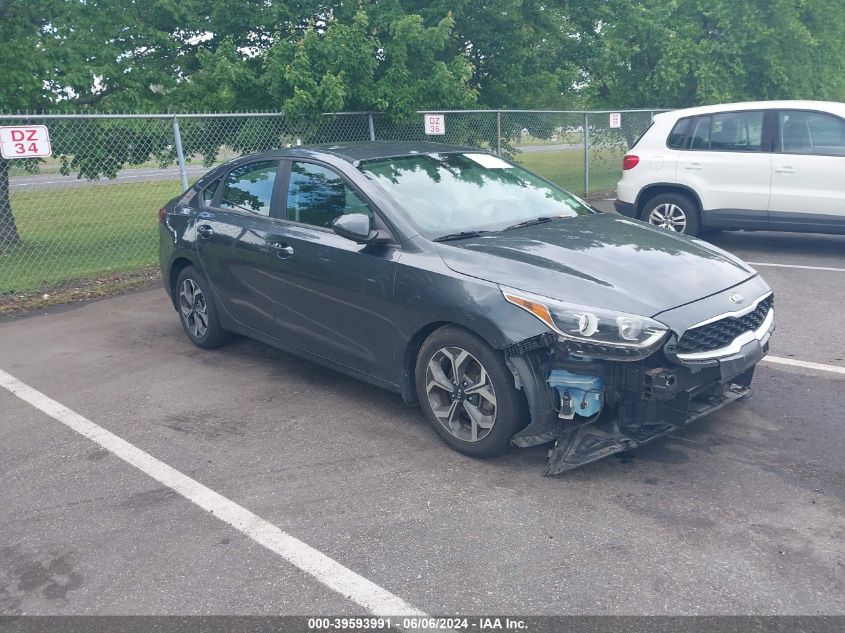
20	27
70	55
304	57
328	58
676	53
396	56
524	53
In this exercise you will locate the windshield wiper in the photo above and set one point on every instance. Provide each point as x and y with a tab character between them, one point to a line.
460	236
519	225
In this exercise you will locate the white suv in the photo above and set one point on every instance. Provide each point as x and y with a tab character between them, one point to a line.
768	165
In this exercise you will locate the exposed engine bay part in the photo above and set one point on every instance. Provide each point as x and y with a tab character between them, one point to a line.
579	395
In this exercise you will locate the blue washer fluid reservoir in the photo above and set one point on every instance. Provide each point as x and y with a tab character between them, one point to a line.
585	392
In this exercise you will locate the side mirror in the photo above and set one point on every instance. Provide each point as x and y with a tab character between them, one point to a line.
358	228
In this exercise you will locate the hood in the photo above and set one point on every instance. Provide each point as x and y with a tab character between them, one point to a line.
600	260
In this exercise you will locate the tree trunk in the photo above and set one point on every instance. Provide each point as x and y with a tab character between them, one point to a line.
8	228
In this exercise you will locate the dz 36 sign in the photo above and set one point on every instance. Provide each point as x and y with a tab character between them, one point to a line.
25	141
435	124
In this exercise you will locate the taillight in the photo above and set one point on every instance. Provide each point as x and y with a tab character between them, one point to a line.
161	214
630	161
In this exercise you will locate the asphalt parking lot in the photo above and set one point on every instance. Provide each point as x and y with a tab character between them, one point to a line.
740	513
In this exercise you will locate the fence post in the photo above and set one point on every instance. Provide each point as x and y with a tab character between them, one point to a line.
180	155
371	126
498	132
586	154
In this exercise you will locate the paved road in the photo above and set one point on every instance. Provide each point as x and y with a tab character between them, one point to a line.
40	182
743	512
551	147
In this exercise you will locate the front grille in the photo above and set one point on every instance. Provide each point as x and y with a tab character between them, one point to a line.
721	333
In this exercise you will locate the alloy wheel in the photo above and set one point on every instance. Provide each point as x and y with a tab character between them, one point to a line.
461	394
193	307
668	216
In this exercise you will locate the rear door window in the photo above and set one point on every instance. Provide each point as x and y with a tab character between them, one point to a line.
700	137
249	188
728	132
736	132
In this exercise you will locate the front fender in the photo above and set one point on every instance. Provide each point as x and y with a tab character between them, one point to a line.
429	297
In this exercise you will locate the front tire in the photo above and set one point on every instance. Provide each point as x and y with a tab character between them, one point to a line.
467	392
673	212
198	311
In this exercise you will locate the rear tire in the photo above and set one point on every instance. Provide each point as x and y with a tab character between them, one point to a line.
467	392
198	311
674	212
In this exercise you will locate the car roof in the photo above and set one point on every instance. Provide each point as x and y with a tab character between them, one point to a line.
824	106
356	151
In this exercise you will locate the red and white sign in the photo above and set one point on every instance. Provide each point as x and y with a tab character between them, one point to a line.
615	119
25	141
435	124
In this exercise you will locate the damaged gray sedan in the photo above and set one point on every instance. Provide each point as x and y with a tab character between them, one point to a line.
510	310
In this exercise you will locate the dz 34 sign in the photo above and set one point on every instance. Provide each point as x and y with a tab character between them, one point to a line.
25	141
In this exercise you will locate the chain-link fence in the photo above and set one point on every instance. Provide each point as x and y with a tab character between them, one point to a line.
90	208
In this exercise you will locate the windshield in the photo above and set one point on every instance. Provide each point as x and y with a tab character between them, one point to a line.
447	194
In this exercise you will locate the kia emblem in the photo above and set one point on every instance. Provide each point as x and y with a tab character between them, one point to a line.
737	298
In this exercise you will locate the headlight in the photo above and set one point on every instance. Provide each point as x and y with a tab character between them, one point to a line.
593	332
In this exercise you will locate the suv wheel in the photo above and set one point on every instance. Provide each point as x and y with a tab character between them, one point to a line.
467	392
674	212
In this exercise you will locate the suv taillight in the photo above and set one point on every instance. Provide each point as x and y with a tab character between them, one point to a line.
630	161
161	213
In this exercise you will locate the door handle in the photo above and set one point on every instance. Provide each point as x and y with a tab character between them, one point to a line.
205	231
693	166
283	249
786	169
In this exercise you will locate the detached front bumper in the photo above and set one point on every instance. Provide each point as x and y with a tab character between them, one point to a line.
639	401
657	401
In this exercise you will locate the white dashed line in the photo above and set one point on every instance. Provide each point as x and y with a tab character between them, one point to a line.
329	572
834	369
828	268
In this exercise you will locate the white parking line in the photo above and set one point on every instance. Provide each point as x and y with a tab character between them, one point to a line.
372	597
836	270
834	369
